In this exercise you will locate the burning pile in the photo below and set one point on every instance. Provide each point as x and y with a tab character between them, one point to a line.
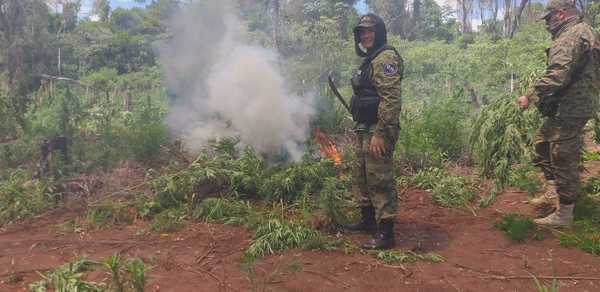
327	147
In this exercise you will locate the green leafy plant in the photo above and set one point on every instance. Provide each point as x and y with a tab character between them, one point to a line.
22	198
502	135
169	220
446	190
68	278
138	273
525	178
113	264
402	257
109	213
275	235
517	227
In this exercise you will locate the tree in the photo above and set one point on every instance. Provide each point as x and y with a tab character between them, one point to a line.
101	8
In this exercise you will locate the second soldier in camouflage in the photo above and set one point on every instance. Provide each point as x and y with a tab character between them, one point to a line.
567	96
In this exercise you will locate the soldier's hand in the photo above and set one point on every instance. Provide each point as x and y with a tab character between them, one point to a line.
377	146
523	102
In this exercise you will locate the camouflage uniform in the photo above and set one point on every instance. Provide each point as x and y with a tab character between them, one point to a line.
567	95
374	178
375	108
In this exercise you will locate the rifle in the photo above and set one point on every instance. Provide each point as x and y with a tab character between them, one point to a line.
336	92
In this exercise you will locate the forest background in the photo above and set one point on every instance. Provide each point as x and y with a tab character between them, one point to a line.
95	90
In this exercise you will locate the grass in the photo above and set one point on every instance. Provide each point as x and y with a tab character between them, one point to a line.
404	257
130	275
518	228
585	233
110	213
22	198
446	190
276	235
272	233
525	178
169	220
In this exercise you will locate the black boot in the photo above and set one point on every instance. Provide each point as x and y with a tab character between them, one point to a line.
367	221
384	238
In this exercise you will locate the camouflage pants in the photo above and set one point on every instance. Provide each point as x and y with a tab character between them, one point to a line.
558	149
373	179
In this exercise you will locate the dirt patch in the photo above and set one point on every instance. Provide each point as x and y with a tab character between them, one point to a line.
207	257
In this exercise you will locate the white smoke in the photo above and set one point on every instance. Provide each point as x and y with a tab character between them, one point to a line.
227	87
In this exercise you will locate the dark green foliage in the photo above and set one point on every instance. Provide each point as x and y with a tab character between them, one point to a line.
434	132
227	211
502	135
22	198
526	179
446	190
272	233
147	133
517	227
585	234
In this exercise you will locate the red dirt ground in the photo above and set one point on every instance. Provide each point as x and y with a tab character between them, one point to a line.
206	257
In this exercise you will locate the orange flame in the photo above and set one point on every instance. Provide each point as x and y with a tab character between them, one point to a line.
327	147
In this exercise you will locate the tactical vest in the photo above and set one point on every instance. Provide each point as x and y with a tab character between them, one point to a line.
364	104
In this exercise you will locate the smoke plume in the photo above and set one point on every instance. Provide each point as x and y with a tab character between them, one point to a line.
226	87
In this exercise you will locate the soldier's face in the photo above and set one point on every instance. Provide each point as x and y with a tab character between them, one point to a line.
555	17
367	37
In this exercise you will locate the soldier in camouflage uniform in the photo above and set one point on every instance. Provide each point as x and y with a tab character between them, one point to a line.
375	108
567	97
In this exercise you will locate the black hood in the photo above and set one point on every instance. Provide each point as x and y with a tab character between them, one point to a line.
380	35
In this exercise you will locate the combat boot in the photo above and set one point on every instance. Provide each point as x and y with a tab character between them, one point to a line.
547	198
563	216
367	221
384	238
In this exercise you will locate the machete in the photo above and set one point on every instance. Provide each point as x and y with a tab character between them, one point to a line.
336	92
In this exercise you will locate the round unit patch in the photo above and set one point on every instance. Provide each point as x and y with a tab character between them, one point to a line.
390	69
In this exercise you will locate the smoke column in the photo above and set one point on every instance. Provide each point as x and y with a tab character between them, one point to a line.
227	87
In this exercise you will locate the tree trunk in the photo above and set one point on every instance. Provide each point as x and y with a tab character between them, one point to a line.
275	23
517	20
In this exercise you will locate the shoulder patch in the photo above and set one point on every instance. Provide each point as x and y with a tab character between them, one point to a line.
389	68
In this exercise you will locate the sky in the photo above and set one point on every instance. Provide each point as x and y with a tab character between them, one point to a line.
86	5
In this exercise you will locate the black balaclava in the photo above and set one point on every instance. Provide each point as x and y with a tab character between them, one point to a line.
380	33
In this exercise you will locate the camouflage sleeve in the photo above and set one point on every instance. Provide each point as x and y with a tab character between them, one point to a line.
563	58
386	76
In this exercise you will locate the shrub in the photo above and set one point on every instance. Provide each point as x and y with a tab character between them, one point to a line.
21	198
517	227
525	178
434	132
446	190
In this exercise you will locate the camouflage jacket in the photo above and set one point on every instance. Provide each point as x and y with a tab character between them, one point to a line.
386	76
571	83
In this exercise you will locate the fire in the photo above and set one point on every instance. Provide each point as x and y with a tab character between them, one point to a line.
327	147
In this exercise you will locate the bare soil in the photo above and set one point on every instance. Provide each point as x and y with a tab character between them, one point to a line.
207	257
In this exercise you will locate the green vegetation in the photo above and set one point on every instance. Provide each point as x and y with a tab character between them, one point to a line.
23	198
446	190
585	233
68	277
526	179
402	257
518	228
130	275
